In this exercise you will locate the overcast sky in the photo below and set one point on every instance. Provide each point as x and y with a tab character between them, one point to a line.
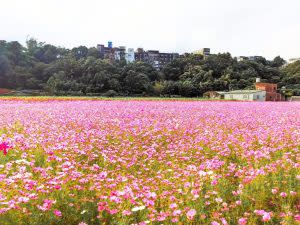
241	27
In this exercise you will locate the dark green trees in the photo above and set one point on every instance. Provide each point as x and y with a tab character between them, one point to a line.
81	71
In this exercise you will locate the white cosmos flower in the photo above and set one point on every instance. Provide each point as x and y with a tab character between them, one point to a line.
83	212
138	208
210	172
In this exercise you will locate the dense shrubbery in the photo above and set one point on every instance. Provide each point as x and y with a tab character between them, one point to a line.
80	71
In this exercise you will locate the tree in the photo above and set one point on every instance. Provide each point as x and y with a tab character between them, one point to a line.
4	71
136	83
80	70
80	52
174	69
278	62
94	52
15	52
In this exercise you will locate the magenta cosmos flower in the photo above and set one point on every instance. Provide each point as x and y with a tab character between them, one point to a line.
4	147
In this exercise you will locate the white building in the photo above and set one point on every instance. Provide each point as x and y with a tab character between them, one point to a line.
204	51
242	58
130	55
246	95
293	60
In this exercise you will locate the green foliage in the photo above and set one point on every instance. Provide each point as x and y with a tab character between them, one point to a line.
81	71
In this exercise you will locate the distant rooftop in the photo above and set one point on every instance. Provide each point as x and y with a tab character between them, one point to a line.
243	92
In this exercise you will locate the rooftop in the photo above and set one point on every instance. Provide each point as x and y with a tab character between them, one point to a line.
243	92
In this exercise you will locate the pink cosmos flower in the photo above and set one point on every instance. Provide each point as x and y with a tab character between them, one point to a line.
202	216
219	200
242	221
215	223
102	206
177	212
82	223
274	191
266	216
214	182
113	211
282	214
161	217
57	213
126	212
4	147
46	205
283	194
224	222
173	206
23	199
143	223
259	212
191	213
174	220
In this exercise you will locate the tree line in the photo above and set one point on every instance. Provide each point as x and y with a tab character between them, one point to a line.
81	71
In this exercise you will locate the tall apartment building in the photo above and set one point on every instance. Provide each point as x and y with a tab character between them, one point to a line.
120	53
154	57
115	53
166	58
106	52
130	55
204	51
141	55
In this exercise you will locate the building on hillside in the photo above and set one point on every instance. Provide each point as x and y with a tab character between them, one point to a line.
245	95
120	53
141	55
130	55
253	58
165	58
154	57
293	60
242	58
184	55
115	53
272	92
204	51
250	58
106	52
214	94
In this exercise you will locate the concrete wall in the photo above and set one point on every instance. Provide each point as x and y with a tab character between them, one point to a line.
233	96
258	96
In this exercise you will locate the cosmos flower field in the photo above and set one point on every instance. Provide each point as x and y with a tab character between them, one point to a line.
74	162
